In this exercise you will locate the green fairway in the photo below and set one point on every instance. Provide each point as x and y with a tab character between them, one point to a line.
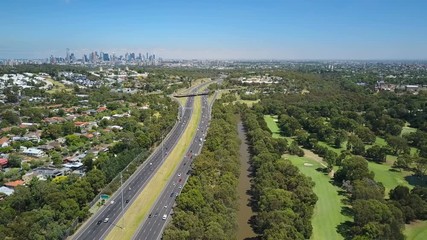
407	130
390	179
327	212
272	125
416	230
336	150
380	141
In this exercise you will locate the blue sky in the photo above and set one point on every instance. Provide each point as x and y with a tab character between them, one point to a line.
217	29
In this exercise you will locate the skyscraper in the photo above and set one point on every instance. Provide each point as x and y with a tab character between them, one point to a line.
67	55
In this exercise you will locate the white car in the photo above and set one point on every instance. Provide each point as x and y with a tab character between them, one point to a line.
106	220
164	216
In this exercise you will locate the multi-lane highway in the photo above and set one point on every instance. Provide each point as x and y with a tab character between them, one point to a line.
152	227
98	226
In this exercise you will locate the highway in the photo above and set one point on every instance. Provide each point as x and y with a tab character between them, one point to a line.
153	226
95	227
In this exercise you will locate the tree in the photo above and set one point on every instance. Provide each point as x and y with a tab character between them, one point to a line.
56	158
288	125
14	161
365	134
421	166
11	117
377	220
355	145
403	161
353	168
399	145
377	154
367	189
88	161
96	179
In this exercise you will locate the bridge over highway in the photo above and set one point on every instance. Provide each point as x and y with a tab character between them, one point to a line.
191	94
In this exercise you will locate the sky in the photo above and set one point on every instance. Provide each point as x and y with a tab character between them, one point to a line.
216	29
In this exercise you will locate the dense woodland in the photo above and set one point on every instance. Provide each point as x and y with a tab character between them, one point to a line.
283	197
207	206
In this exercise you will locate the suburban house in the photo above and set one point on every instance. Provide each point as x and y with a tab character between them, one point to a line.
4	142
14	184
3	162
54	120
30	175
7	191
34	152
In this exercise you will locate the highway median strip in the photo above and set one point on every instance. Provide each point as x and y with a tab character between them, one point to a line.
136	213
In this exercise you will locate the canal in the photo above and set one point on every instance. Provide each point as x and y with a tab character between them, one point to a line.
245	211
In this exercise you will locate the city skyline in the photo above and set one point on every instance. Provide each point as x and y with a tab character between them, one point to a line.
237	29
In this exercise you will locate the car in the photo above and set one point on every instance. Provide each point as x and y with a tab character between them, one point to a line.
149	216
164	216
156	214
180	186
106	220
166	206
180	179
179	174
172	194
112	202
99	222
127	200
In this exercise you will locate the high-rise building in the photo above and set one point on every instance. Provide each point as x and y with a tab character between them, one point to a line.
105	57
67	55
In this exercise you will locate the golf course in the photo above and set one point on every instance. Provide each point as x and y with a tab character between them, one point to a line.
327	212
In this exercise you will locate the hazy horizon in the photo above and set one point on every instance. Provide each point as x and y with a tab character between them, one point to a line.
370	30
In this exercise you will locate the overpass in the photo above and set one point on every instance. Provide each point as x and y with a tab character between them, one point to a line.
191	94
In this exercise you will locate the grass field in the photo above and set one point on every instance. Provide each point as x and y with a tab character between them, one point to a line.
139	209
390	179
416	230
57	86
327	212
247	102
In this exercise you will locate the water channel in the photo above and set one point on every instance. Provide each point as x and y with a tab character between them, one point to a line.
245	211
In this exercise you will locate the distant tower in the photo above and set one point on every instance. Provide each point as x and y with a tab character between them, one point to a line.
67	57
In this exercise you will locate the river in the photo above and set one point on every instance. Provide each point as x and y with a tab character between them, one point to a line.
245	211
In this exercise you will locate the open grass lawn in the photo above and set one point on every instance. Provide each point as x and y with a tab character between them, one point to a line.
139	209
247	102
416	230
57	86
390	179
327	212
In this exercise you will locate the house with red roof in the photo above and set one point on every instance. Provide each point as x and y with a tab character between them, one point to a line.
3	162
101	109
14	184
